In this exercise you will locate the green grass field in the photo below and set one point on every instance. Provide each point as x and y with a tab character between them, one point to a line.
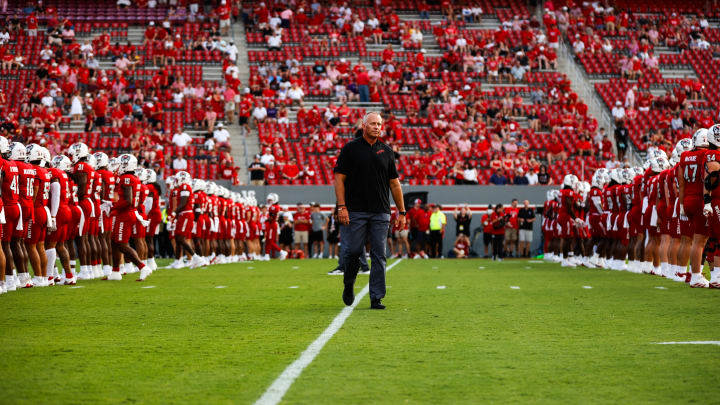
186	340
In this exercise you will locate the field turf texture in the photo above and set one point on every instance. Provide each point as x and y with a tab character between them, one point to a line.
455	332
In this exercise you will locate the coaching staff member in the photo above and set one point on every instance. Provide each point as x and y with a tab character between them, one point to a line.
365	174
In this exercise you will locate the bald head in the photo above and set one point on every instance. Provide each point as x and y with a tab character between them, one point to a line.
372	126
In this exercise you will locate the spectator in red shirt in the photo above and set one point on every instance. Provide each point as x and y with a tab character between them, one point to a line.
511	228
556	150
291	171
303	224
462	246
496	224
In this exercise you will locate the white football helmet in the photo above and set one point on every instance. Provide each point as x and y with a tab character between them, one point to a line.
170	181
549	194
78	151
141	175
556	194
128	163
714	135
114	164
101	160
272	198
700	139
628	175
183	177
92	161
151	176
639	171
656	165
62	162
17	151
4	145
657	153
34	153
616	176
198	185
46	157
569	180
674	157
684	145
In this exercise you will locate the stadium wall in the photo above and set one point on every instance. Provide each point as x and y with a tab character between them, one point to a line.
478	197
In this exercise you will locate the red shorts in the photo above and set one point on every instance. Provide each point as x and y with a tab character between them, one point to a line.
714	221
62	219
185	224
597	230
564	227
662	219
122	226
37	228
138	230
88	209
27	213
12	217
73	227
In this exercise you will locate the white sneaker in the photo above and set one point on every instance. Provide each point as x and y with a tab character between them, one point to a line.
106	270
283	255
567	263
85	274
557	259
50	281
146	271
197	261
336	272
114	276
587	263
364	272
715	280
177	264
10	283
699	281
39	281
2	288
25	280
266	258
70	281
424	256
153	265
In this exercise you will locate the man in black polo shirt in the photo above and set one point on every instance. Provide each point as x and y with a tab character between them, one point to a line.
365	174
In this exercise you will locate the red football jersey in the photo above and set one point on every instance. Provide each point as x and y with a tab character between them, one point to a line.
27	181
128	180
84	167
63	181
594	203
184	190
108	179
691	167
43	177
11	180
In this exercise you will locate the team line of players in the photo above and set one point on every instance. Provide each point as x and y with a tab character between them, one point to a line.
661	217
87	208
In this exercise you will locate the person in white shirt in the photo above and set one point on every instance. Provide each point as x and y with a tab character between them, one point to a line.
274	42
181	139
232	51
358	26
578	45
259	113
179	163
221	136
296	94
618	112
532	177
267	157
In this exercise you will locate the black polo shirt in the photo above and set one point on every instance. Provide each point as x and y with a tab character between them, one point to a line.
368	170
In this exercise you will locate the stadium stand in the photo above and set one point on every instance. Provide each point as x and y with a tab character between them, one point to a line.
475	86
121	79
653	59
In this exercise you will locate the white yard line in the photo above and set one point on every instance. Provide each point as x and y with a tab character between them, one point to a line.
698	342
282	384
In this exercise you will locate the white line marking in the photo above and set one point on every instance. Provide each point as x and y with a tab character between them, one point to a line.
661	288
528	267
293	286
587	287
481	267
295	267
441	287
435	267
77	286
535	261
280	386
220	286
698	342
148	286
514	287
250	267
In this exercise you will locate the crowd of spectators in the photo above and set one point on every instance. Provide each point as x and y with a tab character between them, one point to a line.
119	89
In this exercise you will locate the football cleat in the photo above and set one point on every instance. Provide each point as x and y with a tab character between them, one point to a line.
699	281
71	281
114	276
144	273
283	255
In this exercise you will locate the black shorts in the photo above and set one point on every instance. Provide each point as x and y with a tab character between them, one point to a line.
242	120
315	236
487	238
286	237
333	237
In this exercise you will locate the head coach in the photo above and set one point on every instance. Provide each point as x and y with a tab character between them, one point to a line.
365	174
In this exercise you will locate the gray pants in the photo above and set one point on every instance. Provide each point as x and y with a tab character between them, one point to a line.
362	259
371	227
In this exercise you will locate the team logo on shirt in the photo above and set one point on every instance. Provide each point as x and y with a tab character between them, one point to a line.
380	151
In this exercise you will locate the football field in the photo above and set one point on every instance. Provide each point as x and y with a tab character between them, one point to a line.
454	332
